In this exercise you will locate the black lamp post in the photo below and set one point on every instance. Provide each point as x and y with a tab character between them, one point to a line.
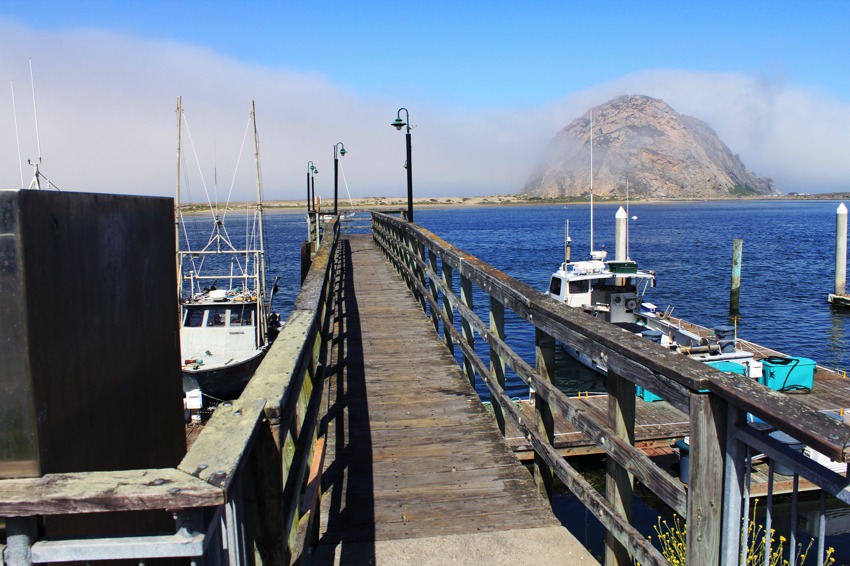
342	153
398	123
311	194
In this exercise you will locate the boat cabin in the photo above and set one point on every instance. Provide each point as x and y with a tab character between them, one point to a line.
607	289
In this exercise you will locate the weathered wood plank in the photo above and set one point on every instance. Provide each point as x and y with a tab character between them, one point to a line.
219	451
94	492
415	451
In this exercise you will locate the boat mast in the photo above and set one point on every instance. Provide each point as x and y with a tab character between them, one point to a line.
261	267
177	201
591	182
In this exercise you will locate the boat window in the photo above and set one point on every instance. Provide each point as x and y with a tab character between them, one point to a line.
217	317
193	317
580	286
241	317
555	286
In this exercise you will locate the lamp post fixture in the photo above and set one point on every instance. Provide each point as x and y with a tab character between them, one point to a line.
398	123
311	194
342	153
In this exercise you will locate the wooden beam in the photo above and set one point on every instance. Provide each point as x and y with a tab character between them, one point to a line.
96	492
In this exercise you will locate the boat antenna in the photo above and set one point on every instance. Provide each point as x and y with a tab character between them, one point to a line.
567	241
591	182
628	219
177	205
17	137
37	175
35	113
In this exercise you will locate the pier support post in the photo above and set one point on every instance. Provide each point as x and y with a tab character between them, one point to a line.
544	346
708	438
21	533
619	483
432	286
735	288
840	249
466	299
447	307
497	365
420	272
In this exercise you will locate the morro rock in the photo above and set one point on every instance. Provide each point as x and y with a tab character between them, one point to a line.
639	139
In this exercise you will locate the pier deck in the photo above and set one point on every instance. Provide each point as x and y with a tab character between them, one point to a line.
416	471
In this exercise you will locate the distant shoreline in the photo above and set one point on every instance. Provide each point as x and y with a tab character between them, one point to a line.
394	203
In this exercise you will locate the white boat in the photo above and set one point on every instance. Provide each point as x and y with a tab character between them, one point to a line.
613	291
226	318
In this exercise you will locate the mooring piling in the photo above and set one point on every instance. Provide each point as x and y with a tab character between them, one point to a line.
735	288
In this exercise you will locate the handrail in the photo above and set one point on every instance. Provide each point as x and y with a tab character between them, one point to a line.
702	392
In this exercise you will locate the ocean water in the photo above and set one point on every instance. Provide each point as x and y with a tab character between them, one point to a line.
788	264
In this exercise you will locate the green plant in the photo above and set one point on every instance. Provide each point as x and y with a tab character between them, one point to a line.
672	539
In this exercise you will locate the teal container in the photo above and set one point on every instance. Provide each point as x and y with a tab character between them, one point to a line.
788	374
647	395
728	367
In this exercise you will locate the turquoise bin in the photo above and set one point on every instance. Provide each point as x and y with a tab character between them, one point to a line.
728	367
646	394
788	374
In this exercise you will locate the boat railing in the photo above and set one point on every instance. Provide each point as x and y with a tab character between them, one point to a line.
722	440
247	489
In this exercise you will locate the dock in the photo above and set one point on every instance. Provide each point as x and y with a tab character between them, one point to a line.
417	471
361	439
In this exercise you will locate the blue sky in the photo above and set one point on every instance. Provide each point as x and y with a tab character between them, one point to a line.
487	84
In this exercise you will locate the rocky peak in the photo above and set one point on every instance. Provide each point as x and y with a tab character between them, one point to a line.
641	139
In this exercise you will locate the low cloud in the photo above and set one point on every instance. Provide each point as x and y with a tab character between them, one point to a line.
793	133
107	123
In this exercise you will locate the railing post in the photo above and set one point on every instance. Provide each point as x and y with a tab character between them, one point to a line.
21	533
447	307
707	440
410	252
466	299
497	365
432	264
733	490
420	272
619	484
544	350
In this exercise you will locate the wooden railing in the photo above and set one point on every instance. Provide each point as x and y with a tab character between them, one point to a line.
716	403
247	490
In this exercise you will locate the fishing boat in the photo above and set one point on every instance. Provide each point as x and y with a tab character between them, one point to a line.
614	290
226	317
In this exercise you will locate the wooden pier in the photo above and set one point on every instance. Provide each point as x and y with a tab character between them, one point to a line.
416	470
360	440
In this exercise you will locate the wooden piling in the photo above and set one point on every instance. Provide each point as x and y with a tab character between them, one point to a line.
735	288
839	297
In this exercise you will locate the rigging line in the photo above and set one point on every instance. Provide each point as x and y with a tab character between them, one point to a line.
17	138
35	113
236	170
345	182
197	162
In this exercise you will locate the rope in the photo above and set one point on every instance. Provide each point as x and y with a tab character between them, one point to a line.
236	170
